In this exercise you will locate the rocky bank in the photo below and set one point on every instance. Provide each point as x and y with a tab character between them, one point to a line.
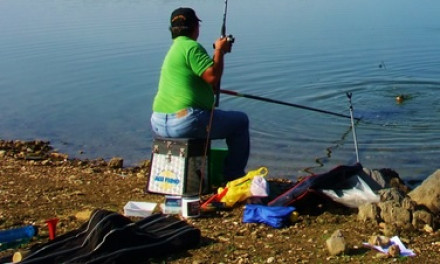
38	183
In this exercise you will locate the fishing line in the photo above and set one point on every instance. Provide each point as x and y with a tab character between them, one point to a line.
321	161
339	143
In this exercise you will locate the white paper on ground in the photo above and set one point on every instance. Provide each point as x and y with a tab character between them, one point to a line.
404	252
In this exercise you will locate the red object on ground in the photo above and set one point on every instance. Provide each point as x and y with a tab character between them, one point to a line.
215	198
52	226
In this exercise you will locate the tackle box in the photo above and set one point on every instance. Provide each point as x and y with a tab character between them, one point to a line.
177	166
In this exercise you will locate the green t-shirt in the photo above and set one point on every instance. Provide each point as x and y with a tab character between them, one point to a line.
180	84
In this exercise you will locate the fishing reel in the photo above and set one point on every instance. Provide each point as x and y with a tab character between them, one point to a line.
230	39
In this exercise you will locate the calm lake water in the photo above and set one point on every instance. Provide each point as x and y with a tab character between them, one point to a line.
82	74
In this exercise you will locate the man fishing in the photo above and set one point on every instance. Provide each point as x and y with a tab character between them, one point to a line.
184	104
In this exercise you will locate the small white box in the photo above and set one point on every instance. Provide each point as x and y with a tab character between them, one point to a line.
170	209
173	201
141	209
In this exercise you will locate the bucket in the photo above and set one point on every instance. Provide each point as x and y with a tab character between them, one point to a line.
191	206
216	161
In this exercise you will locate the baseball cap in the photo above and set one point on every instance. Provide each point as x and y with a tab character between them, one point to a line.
183	17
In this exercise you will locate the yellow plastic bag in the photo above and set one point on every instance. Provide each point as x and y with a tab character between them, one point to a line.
239	189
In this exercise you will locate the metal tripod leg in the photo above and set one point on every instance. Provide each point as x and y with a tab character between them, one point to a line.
353	128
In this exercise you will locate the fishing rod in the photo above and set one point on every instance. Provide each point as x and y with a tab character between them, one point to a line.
284	103
231	40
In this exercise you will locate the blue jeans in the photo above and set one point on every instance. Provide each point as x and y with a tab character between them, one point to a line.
192	123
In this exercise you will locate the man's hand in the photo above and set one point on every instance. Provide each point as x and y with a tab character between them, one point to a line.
223	44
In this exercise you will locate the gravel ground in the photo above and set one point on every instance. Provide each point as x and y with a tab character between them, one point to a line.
38	184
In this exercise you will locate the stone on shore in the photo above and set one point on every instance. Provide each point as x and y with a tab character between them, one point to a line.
428	193
396	210
368	211
58	156
336	244
116	163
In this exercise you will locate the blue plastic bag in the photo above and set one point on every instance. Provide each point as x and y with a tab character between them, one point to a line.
274	216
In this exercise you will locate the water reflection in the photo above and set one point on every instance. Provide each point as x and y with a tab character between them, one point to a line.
82	75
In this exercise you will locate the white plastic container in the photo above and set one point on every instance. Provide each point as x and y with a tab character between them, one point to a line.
191	206
172	205
140	209
173	200
171	210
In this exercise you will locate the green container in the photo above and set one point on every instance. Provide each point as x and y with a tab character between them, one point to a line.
216	161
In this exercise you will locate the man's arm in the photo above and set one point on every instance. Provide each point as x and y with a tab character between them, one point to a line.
213	74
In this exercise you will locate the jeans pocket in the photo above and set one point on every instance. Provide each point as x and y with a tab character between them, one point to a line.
182	126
